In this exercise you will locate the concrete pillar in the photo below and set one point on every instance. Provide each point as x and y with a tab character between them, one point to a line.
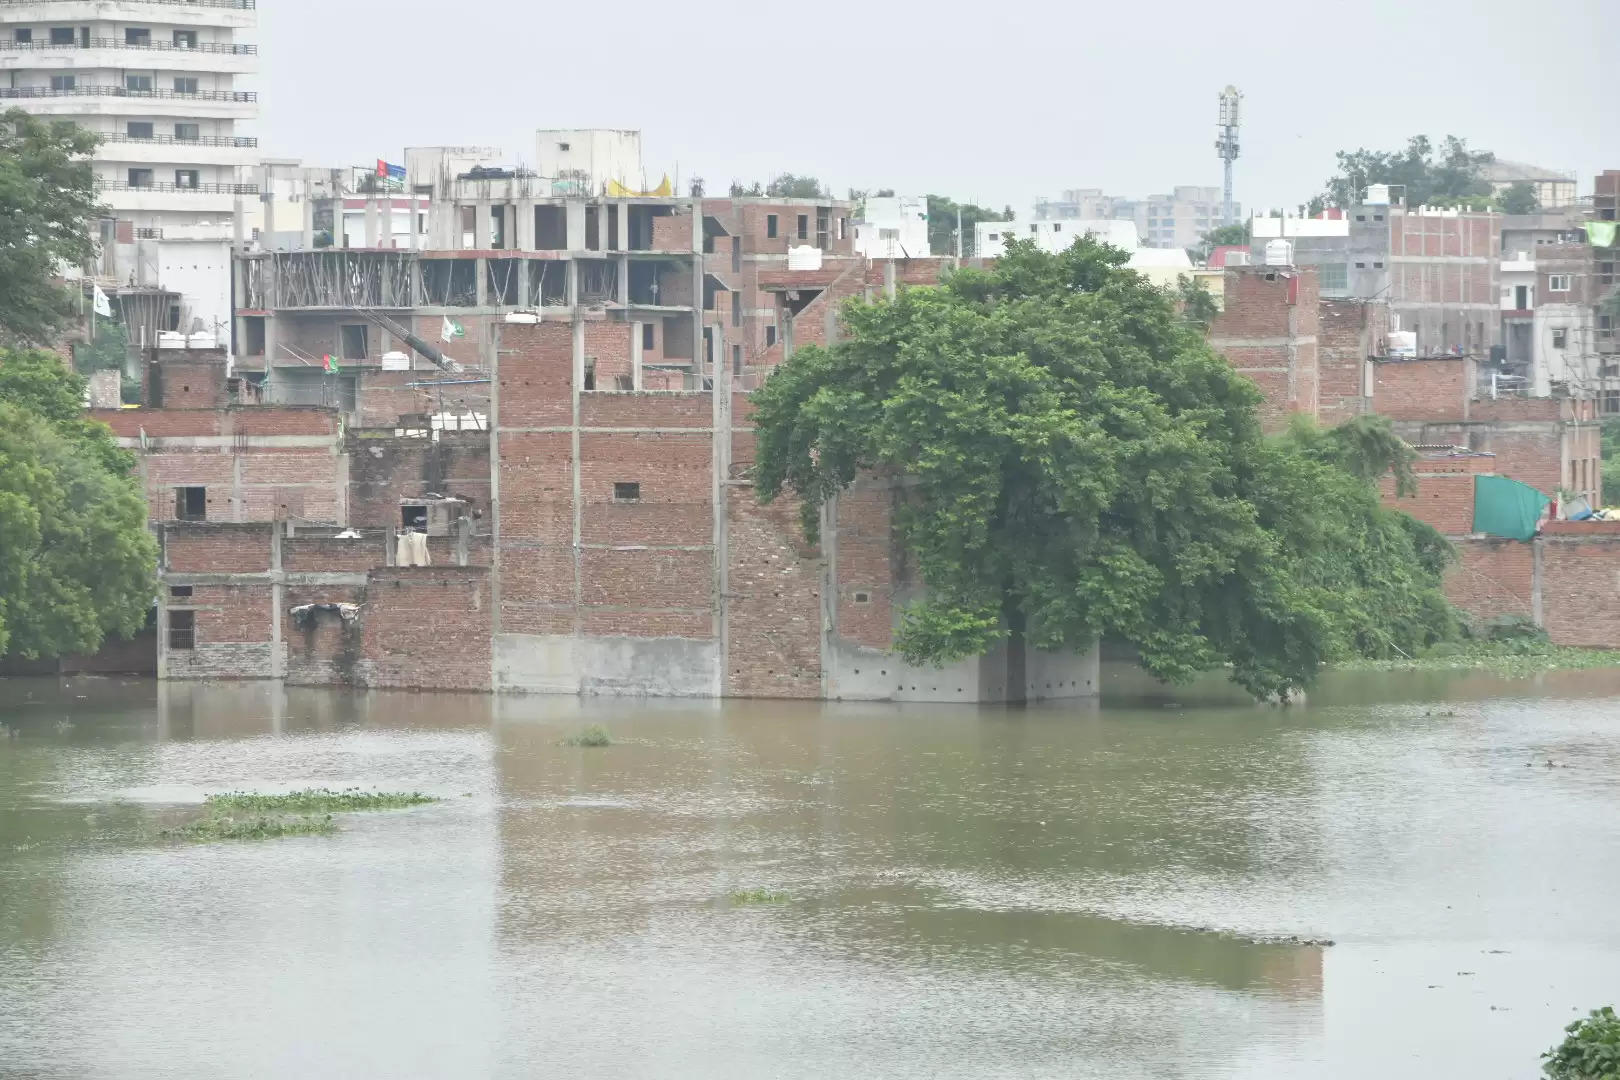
525	225
481	269
623	284
695	208
621	212
523	282
572	281
635	354
371	221
481	217
1537	551
271	348
574	211
888	279
307	241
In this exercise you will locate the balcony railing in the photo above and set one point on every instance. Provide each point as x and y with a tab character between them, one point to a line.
242	5
124	91
185	189
240	141
114	43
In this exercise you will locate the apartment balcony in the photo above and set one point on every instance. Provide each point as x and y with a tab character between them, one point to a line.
158	198
1521	265
223	13
120	101
228	151
113	54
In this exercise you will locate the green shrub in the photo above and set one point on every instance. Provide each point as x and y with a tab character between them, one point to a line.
595	735
1590	1050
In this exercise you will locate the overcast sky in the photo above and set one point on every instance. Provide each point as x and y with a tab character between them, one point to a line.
997	103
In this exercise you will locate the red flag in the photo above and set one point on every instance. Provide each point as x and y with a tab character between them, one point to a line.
382	167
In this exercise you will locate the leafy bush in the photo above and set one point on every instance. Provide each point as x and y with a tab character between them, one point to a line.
595	735
1590	1050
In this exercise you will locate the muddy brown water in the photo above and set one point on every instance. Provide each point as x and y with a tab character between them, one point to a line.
1108	890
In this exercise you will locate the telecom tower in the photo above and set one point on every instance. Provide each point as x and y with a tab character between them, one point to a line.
1226	145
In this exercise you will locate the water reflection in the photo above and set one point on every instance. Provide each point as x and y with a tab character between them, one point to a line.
1054	892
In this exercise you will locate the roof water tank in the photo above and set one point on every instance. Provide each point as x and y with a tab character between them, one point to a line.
202	339
1377	195
396	361
1402	343
171	339
804	257
1237	258
1279	253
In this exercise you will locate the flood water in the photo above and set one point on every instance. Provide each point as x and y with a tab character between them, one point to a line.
1080	891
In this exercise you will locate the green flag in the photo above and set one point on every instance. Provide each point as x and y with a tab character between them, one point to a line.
331	365
1504	507
452	330
1601	233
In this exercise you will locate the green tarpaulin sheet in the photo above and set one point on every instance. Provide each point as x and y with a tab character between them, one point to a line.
1601	233
1504	507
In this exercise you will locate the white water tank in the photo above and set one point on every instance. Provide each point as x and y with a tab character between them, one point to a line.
1377	195
804	257
1279	253
396	361
202	339
1237	258
171	339
1402	343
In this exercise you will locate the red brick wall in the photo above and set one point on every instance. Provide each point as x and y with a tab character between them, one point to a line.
865	564
1492	578
1349	332
426	627
1268	331
382	471
672	232
211	548
608	344
774	612
324	650
189	379
1432	390
322	554
1445	492
676	475
1581	583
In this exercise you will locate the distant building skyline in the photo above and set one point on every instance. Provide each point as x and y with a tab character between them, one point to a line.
1179	218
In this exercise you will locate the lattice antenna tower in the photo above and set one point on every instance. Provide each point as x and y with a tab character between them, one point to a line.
1226	145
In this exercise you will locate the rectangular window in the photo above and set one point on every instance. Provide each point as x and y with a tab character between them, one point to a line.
1378	266
185	39
770	225
804	226
23	36
182	629
354	342
1559	337
736	360
993	237
842	226
1333	276
137	82
191	504
1558	283
185	84
187	132
1057	226
61	35
888	234
1606	273
626	492
187	178
770	336
179	591
1033	229
736	308
63	82
648	344
137	35
138	129
1361	266
1605	326
1611	401
736	254
140	178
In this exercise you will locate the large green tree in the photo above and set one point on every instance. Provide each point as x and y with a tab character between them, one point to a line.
47	208
1078	463
76	560
1423	175
942	221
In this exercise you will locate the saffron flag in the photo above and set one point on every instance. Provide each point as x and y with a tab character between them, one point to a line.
452	330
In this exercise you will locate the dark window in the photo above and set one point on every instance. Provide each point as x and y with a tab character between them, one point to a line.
590	373
736	360
23	37
137	35
736	254
187	132
1559	338
413	516
736	308
137	82
61	35
182	629
138	129
186	178
185	84
804	226
1378	217
563	147
623	492
770	225
770	336
863	598
185	39
63	82
354	342
140	178
1361	217
647	337
191	504
178	591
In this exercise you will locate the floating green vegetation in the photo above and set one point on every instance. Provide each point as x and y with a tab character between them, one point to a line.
315	801
759	896
1508	659
595	735
224	827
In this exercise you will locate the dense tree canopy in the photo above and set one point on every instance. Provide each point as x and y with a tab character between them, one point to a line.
47	206
76	560
1518	197
1080	464
942	216
1421	175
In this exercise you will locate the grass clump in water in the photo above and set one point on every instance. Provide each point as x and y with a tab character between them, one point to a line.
1511	647
595	735
224	827
759	896
315	801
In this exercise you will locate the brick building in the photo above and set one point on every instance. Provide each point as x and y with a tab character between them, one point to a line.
1268	328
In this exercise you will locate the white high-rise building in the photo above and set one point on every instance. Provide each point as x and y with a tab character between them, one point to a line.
157	80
